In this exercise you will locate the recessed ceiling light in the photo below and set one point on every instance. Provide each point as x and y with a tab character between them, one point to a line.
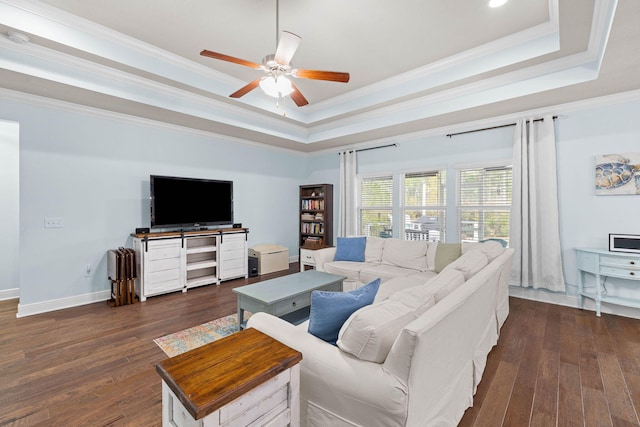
18	37
497	3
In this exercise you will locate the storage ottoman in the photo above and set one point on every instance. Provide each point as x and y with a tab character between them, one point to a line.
270	258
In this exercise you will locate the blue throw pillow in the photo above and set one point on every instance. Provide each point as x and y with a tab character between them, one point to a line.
350	249
329	310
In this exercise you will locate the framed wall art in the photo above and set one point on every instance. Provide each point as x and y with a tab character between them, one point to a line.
617	174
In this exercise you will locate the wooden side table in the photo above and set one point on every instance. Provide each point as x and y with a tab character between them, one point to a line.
244	378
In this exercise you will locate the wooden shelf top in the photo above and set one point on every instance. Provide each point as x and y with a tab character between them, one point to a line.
208	377
164	234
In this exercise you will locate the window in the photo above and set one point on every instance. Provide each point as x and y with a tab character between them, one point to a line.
484	203
376	206
424	205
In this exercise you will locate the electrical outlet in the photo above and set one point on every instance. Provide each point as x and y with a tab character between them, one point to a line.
53	222
87	271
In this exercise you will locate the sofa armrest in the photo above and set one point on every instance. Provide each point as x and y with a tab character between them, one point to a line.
322	256
359	391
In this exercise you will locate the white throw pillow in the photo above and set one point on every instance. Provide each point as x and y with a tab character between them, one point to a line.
490	248
371	331
405	253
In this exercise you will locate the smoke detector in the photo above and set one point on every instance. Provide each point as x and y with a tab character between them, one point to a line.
18	37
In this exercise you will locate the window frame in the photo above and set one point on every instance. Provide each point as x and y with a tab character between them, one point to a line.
482	207
359	206
441	207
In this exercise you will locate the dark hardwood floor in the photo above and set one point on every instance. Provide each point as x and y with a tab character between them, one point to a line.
95	365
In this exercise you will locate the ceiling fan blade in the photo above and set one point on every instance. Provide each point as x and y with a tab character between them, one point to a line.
246	89
287	46
298	97
332	76
228	58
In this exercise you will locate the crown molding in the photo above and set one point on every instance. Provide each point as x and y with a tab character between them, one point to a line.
41	101
560	110
300	126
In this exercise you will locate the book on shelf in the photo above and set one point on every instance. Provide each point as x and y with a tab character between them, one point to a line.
312	205
312	228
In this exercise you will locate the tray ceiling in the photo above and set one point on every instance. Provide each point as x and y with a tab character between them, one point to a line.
428	64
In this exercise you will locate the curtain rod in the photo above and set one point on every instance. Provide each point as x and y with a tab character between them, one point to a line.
372	148
449	135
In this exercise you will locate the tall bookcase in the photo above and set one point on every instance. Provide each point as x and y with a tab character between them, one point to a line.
316	216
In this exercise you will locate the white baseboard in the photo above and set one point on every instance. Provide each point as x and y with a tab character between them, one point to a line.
569	300
59	304
6	294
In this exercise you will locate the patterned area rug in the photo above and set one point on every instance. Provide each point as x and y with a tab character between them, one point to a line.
182	341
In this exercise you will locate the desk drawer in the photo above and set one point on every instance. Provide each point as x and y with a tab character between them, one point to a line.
306	257
631	263
292	304
625	273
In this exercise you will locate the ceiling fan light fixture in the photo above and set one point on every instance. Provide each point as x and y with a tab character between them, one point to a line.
276	87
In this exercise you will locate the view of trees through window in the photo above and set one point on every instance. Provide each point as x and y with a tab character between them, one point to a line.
424	205
484	203
376	206
482	210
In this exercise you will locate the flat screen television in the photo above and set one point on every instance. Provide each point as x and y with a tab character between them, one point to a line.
190	202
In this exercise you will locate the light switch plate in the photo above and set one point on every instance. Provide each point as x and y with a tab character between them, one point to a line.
53	222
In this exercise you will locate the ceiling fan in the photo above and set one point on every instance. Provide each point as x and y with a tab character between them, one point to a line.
277	68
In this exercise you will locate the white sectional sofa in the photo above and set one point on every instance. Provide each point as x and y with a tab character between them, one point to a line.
416	355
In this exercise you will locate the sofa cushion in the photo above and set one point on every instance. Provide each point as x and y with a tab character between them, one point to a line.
469	264
446	253
351	270
329	310
444	283
490	248
405	253
371	331
395	285
350	249
373	249
413	296
384	272
423	276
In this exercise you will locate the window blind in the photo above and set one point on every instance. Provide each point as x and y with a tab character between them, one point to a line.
376	206
424	206
484	203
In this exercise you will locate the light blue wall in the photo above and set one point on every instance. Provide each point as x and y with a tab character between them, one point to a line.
94	173
585	219
9	202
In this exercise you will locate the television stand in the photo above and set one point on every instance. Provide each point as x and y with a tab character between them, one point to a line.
180	260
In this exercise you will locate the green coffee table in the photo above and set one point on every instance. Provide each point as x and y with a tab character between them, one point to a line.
288	297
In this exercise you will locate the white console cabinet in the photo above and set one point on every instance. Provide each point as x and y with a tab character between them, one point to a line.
602	264
233	256
170	262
